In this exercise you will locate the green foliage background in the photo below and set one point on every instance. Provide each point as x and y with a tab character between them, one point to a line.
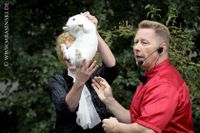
34	26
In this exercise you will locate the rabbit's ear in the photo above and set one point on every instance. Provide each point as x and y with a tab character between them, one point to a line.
85	13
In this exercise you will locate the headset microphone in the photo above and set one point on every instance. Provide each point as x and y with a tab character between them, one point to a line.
140	62
159	50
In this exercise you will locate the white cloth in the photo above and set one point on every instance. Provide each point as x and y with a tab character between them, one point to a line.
87	116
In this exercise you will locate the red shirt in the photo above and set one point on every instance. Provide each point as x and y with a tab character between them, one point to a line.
163	102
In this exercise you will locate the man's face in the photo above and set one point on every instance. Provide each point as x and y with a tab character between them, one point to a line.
145	47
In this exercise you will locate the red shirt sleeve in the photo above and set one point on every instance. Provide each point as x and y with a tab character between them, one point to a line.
157	106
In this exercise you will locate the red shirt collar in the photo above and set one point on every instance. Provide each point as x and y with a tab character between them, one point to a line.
160	67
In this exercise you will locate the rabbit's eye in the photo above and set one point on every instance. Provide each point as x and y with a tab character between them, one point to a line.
73	19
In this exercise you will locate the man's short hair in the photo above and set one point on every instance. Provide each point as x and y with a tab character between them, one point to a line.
159	28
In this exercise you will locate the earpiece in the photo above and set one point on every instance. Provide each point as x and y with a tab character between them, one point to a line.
160	50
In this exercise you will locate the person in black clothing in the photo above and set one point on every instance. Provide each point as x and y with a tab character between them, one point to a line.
66	92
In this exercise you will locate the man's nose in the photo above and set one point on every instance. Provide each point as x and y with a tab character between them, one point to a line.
137	47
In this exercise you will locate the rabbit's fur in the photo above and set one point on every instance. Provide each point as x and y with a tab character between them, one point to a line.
85	43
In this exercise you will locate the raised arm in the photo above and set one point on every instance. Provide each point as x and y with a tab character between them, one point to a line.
104	92
83	72
104	50
106	53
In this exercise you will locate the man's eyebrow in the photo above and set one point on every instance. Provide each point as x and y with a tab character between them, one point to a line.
145	40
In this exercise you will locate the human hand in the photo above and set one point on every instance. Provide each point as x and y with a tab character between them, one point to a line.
92	18
102	88
110	124
84	71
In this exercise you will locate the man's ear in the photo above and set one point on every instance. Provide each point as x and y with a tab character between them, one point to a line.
164	46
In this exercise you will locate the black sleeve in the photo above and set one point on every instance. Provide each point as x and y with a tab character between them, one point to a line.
58	90
108	73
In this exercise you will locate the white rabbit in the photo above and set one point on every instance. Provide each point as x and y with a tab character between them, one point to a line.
85	43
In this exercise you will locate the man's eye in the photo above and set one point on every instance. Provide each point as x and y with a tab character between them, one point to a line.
135	42
144	43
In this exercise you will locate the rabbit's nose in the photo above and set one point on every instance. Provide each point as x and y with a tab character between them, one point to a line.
65	28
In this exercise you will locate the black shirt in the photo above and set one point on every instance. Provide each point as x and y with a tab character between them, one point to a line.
60	85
